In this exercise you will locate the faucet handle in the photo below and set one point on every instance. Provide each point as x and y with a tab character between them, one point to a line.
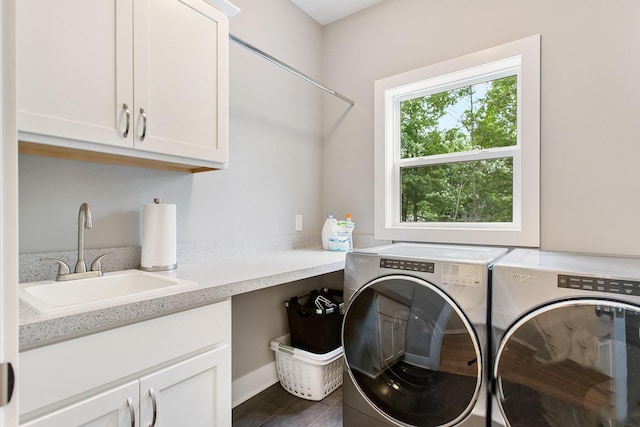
63	268
97	264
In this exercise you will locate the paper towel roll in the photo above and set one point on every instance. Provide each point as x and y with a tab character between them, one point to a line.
158	237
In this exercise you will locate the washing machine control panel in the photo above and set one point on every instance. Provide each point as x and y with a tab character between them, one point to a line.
462	274
451	274
598	284
403	264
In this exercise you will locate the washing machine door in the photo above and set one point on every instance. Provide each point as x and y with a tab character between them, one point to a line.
411	352
571	363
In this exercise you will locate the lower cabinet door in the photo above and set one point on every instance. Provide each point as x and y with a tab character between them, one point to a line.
195	392
117	407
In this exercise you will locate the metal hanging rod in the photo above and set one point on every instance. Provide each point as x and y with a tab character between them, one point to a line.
289	68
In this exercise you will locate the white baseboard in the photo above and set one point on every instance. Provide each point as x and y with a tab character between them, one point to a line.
246	387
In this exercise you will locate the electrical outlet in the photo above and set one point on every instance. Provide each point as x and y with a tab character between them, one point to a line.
298	222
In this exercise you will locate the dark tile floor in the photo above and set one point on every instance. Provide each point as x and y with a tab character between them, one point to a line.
277	407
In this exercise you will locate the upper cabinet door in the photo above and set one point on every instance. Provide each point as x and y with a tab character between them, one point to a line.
74	63
181	78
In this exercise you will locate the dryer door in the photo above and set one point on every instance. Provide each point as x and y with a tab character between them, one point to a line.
411	352
571	363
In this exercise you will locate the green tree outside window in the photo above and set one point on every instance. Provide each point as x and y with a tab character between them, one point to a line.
477	117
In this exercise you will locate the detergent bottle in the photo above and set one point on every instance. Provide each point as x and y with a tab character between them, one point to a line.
328	229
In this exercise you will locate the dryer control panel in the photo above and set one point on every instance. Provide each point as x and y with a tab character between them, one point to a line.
598	284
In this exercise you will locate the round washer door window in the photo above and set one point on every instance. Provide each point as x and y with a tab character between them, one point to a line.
411	352
571	363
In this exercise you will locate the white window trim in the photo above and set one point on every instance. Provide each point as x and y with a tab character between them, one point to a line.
521	55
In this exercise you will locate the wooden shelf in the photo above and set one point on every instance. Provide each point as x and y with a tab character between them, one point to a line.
565	380
457	355
34	149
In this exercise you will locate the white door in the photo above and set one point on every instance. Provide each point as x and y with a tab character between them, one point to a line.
195	392
8	216
74	62
117	407
180	78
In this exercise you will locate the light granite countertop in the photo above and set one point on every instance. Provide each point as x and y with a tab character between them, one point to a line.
217	278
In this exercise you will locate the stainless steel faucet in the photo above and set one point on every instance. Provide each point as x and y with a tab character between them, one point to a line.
84	221
64	273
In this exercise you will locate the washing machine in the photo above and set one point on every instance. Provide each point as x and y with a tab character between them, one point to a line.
566	334
414	335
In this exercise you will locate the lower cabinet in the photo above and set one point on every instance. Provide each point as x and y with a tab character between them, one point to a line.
115	407
193	389
189	393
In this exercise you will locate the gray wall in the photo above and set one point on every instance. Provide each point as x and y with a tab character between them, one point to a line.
590	89
260	316
275	157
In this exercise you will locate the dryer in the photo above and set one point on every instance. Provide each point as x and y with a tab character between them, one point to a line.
414	335
566	329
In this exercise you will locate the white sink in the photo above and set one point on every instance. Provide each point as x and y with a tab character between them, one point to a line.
51	296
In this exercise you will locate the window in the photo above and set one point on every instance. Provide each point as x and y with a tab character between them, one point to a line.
457	149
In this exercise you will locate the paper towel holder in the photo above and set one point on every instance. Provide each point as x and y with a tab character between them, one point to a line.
159	267
158	200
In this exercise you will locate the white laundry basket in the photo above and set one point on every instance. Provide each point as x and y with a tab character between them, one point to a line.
307	375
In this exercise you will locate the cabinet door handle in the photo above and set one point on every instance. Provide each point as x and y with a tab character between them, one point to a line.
154	405
144	124
127	113
132	411
7	383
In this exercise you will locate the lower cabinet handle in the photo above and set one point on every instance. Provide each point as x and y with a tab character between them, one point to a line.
127	113
144	124
154	405
132	411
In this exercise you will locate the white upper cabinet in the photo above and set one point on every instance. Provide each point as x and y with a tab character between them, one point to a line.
138	78
177	46
75	62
